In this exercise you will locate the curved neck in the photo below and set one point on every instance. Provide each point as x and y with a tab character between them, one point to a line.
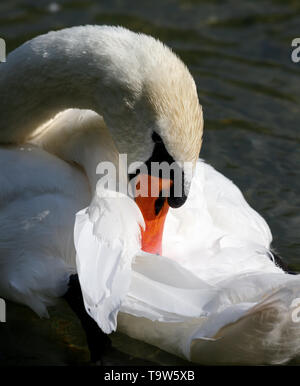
81	136
82	67
133	81
33	89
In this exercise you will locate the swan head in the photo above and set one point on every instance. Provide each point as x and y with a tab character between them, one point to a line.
168	132
152	105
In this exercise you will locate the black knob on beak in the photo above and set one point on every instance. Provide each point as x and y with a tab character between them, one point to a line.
176	202
177	196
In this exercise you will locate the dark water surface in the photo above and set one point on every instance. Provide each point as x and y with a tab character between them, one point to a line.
240	56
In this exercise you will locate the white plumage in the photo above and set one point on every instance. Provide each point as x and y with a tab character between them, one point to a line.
40	195
215	296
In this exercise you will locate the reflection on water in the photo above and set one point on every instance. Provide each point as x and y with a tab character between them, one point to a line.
240	56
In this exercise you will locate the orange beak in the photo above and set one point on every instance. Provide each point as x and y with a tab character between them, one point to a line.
154	210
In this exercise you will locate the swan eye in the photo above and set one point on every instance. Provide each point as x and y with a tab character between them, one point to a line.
159	203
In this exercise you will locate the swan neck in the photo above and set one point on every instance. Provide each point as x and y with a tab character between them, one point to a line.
34	93
81	137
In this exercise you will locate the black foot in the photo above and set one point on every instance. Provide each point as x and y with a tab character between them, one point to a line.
281	264
98	342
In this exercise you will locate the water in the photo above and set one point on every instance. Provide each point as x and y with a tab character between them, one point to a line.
240	56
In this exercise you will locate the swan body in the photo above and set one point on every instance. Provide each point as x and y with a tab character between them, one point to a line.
40	195
215	296
36	217
84	96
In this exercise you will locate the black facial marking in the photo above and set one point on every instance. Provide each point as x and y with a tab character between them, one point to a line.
159	155
156	138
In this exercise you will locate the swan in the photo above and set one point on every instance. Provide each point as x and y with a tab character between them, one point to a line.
70	100
196	277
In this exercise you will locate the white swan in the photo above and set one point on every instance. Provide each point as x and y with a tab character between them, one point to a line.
217	297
